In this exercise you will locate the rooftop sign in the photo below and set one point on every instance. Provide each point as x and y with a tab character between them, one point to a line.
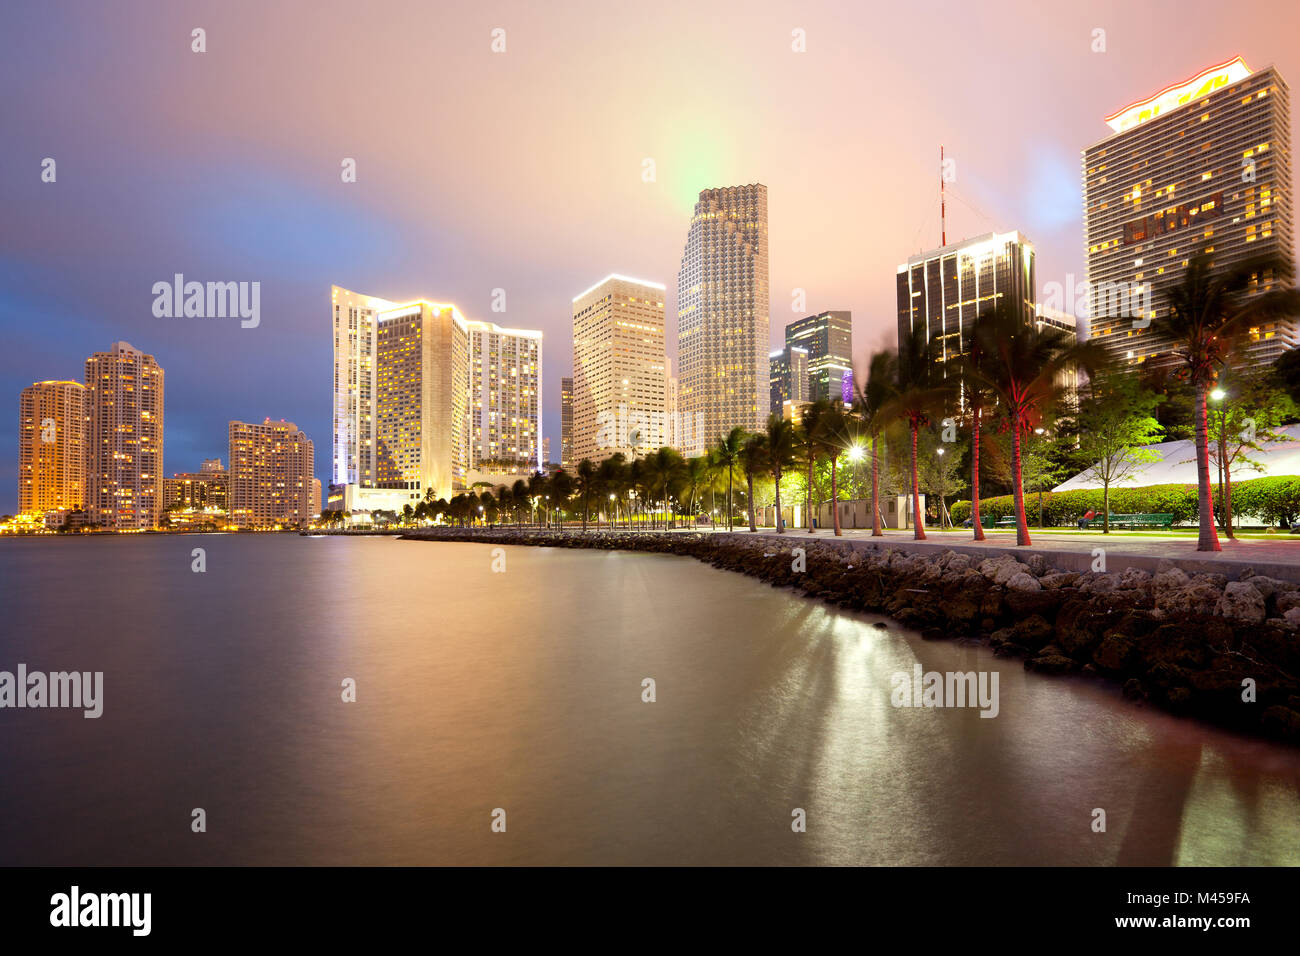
1172	97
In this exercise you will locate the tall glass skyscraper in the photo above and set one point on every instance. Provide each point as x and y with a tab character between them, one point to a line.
828	339
723	316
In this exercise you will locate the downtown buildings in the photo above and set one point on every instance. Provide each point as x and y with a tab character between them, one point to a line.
827	339
787	378
427	401
566	424
723	316
620	372
270	476
1203	167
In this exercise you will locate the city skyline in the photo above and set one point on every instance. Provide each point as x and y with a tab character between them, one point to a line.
271	189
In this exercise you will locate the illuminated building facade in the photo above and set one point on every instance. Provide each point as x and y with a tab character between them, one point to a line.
944	290
270	482
1201	167
566	424
204	490
51	447
505	383
124	439
788	378
401	380
723	315
828	339
619	369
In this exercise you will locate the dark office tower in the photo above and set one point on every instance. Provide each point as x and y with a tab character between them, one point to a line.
788	378
828	339
1203	167
566	424
943	291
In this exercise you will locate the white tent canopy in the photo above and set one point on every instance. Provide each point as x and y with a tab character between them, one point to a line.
1177	464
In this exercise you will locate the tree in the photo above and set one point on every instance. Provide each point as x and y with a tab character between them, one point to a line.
833	433
939	473
780	455
1114	423
1209	315
665	466
695	477
973	367
810	442
754	460
1021	367
519	497
726	454
916	395
1249	406
882	372
586	484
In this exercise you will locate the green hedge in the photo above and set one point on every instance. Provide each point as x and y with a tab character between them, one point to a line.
1272	501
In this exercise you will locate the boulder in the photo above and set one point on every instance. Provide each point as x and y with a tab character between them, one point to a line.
1241	602
1022	581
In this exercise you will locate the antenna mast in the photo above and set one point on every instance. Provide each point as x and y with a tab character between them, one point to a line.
943	208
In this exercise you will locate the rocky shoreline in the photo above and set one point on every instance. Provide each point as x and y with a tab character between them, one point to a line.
1187	643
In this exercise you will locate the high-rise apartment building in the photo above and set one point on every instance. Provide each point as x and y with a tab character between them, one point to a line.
723	315
1203	167
124	438
619	364
787	378
566	424
401	381
827	337
270	475
51	447
504	398
942	292
204	490
674	429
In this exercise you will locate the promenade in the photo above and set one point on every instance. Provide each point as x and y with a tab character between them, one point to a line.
1277	557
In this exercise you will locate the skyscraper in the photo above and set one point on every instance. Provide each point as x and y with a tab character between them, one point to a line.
505	382
723	315
270	480
124	438
1201	167
788	378
51	447
827	338
619	364
401	381
566	424
944	290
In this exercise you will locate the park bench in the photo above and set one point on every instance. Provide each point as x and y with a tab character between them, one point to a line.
1134	521
1007	521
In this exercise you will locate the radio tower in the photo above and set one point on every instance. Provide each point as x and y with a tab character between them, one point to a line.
943	211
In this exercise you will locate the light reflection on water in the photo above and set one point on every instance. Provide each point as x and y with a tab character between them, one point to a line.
522	690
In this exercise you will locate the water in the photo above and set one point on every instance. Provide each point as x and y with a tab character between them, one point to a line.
522	690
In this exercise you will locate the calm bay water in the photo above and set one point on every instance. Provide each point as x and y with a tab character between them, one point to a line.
522	690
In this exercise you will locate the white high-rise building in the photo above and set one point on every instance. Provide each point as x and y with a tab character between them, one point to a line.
401	379
723	316
619	369
505	384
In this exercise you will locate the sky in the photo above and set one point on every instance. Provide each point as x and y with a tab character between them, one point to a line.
523	170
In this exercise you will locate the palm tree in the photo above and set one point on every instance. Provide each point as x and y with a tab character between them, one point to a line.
917	394
695	477
753	460
1210	314
519	494
586	483
780	455
834	437
972	366
882	372
810	446
1021	363
665	465
727	456
536	489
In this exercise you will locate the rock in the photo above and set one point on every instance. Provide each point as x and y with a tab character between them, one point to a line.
1098	583
1037	565
881	625
1272	587
1134	578
1133	689
1286	601
1282	722
1292	617
1010	649
1049	663
1023	581
1242	602
1033	631
1059	579
1115	653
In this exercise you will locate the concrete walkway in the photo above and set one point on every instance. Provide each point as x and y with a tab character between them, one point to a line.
1278	558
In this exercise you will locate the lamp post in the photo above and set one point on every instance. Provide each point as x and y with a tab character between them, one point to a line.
856	454
1217	396
943	508
1039	478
